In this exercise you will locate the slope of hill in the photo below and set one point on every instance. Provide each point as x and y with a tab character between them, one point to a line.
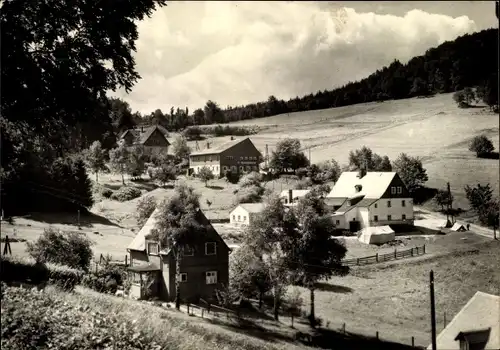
433	128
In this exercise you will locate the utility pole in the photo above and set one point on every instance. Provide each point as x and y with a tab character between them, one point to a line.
310	155
433	311
267	156
78	218
450	204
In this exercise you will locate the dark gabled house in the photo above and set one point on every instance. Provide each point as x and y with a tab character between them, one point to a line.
204	266
152	138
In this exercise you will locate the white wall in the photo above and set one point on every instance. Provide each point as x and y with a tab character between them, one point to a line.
396	210
214	168
339	221
363	217
244	216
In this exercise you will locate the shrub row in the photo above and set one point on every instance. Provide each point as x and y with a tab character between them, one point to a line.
105	280
126	194
28	271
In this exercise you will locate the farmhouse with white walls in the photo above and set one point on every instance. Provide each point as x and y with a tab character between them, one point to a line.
245	213
367	199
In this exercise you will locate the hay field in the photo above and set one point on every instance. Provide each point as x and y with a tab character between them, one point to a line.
432	128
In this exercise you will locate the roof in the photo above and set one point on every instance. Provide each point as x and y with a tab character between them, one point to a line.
345	207
295	193
141	137
220	148
457	226
373	184
481	312
139	241
252	207
144	268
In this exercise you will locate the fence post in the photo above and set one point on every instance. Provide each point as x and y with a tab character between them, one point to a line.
376	257
395	251
424	248
202	312
343	328
126	260
411	251
377	335
357	261
413	341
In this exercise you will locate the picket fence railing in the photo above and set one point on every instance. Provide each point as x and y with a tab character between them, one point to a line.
378	258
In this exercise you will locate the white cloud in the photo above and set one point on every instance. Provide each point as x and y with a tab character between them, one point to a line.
242	52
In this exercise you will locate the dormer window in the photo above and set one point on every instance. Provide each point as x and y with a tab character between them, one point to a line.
153	248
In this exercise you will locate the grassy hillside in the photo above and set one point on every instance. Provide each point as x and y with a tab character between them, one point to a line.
432	128
395	299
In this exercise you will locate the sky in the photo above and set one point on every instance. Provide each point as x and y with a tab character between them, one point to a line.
236	53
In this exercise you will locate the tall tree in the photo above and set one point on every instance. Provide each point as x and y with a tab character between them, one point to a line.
95	157
288	155
121	115
177	225
479	196
181	148
265	237
119	159
316	254
365	157
411	171
213	113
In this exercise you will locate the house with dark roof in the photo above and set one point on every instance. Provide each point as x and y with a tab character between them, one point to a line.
475	327
238	156
370	199
245	213
152	138
204	265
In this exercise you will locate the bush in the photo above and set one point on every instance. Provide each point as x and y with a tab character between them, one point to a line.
192	133
126	194
29	271
481	145
105	280
232	177
304	184
251	194
72	249
106	192
251	179
54	323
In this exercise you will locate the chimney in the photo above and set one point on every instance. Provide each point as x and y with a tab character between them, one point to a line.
358	188
232	138
290	196
208	144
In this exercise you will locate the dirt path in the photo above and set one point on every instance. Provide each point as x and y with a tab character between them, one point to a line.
480	230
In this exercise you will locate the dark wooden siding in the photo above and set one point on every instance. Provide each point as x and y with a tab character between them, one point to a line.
396	182
157	139
242	154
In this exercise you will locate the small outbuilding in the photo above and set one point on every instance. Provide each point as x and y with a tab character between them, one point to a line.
458	227
376	235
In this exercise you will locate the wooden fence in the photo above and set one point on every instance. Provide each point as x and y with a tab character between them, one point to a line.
378	258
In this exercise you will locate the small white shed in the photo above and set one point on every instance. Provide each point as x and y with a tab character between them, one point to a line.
376	235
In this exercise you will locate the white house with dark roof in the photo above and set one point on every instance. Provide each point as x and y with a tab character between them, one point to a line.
475	327
291	197
245	213
370	199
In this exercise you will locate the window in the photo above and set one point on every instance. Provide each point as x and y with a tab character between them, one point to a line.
249	168
389	218
403	203
244	218
184	277
210	248
242	168
211	277
153	248
393	190
241	158
400	190
239	218
225	167
286	201
234	217
388	204
136	277
376	205
375	218
188	251
233	167
337	222
403	217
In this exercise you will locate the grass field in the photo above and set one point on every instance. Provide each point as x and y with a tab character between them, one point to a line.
432	128
394	298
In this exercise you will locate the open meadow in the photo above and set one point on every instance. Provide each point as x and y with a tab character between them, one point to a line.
393	298
434	129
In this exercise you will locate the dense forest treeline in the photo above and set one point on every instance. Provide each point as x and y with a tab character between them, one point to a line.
468	61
